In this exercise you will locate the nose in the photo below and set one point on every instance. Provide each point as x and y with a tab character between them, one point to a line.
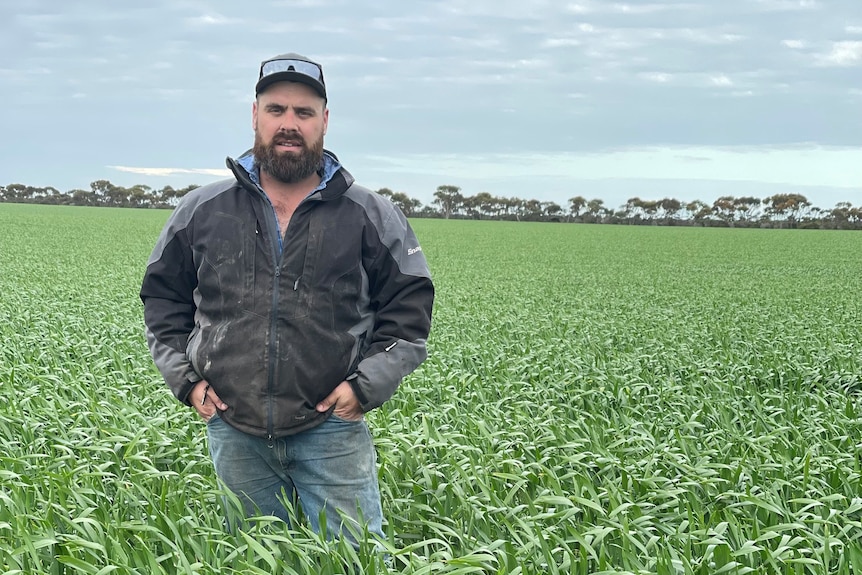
288	122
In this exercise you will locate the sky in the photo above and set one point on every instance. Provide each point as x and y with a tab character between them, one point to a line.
536	99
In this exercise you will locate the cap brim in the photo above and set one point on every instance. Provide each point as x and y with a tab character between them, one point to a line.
290	76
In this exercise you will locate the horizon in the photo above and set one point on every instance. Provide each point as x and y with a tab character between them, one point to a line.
720	208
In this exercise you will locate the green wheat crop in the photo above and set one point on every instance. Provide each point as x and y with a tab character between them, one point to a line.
598	399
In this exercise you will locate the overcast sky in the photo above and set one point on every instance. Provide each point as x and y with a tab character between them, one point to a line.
530	98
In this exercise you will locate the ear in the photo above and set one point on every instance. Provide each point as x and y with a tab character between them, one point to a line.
325	120
254	115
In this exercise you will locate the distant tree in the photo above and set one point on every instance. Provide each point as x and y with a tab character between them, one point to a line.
724	209
577	204
746	208
37	194
551	209
633	209
16	192
427	212
531	210
385	192
498	206
698	211
449	199
101	191
407	204
841	214
512	207
786	207
140	195
165	197
798	207
617	216
485	204
482	205
670	208
471	206
83	197
53	196
596	209
812	219
118	196
650	208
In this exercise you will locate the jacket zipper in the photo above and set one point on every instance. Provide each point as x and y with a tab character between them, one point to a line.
273	336
273	319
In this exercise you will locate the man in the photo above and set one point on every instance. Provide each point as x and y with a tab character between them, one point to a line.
284	303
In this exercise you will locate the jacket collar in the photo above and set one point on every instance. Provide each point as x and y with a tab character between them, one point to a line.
334	178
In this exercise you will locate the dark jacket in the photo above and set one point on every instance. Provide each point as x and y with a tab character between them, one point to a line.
349	298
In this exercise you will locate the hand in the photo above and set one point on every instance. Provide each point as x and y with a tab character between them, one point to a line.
346	405
205	400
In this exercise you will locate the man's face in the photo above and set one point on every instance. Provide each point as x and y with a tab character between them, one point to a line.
289	121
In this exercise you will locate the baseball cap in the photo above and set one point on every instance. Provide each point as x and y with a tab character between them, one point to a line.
291	67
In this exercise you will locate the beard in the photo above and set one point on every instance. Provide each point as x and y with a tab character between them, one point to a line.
288	167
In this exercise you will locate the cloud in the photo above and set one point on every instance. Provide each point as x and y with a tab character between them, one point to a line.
172	171
658	77
594	6
649	8
848	53
691	80
211	19
788	5
397	24
801	165
561	42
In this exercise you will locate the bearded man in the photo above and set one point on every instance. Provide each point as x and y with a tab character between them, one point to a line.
283	304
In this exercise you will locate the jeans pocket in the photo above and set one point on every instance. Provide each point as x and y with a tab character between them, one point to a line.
346	421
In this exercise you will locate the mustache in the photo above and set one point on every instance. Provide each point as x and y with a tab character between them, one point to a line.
288	138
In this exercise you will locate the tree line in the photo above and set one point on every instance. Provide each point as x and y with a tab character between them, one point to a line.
776	211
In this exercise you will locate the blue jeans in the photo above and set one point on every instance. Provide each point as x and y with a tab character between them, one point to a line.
330	468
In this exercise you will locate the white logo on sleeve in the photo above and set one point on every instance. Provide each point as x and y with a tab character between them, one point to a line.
415	250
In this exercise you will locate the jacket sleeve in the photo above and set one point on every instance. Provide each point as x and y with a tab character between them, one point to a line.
402	295
167	292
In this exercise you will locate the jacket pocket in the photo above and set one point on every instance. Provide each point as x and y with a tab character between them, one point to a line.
226	274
